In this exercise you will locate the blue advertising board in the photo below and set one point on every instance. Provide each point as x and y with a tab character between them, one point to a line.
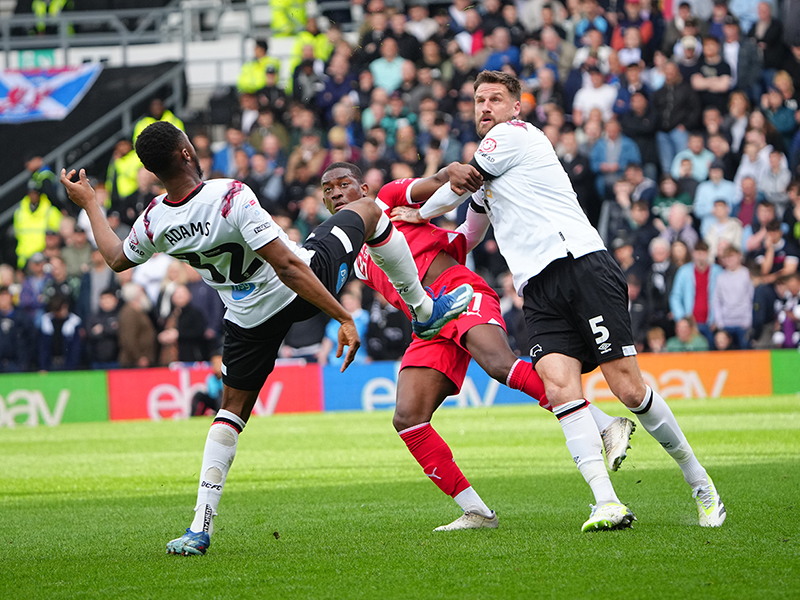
372	387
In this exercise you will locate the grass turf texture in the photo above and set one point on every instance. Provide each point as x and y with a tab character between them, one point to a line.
333	506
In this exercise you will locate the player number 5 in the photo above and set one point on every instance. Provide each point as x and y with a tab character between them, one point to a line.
597	329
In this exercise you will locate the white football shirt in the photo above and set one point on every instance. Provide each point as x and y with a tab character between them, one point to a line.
216	229
530	203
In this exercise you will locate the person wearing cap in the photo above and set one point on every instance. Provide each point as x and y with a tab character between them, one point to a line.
674	27
43	175
34	215
709	191
252	74
689	59
691	29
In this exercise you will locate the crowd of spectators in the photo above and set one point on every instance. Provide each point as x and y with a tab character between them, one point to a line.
678	127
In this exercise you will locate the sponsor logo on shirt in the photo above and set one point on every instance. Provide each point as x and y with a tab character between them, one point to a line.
488	145
135	249
242	290
486	156
261	228
176	234
342	277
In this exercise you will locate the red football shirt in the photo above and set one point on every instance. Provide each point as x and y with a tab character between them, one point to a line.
424	240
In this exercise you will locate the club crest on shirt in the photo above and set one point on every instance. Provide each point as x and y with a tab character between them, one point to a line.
488	145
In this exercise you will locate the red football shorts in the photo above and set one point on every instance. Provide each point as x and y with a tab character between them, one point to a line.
445	353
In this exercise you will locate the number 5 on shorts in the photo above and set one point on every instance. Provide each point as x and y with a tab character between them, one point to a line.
600	332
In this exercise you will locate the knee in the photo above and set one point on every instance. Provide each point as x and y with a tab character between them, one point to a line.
631	391
403	419
560	392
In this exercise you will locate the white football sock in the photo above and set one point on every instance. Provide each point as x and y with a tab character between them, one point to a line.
469	500
391	254
601	419
586	448
657	418
218	455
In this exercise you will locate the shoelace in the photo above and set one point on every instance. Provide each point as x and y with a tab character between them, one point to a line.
706	497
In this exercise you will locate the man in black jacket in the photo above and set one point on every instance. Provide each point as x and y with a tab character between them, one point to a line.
677	108
580	175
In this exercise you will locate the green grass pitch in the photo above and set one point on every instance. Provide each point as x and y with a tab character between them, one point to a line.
334	506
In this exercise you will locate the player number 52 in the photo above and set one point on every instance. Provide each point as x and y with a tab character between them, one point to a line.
597	329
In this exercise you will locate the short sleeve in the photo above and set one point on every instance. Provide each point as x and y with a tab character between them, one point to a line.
138	247
395	193
255	224
503	147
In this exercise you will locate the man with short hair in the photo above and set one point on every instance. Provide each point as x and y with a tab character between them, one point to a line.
266	281
677	107
709	192
693	290
732	301
575	296
714	80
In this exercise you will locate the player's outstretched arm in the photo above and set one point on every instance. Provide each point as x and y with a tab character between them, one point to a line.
462	179
299	277
82	194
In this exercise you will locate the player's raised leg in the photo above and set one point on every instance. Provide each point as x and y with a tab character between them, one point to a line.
343	189
562	376
625	381
420	391
488	345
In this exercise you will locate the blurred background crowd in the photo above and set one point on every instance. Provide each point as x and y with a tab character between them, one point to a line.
678	125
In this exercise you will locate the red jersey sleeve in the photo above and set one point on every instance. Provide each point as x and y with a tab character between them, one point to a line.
395	193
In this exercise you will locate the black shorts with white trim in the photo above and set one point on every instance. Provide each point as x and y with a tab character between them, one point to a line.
579	307
249	354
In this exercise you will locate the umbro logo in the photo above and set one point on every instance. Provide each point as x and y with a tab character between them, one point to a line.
604	348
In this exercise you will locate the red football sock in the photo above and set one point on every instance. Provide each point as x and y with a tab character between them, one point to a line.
435	457
524	377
